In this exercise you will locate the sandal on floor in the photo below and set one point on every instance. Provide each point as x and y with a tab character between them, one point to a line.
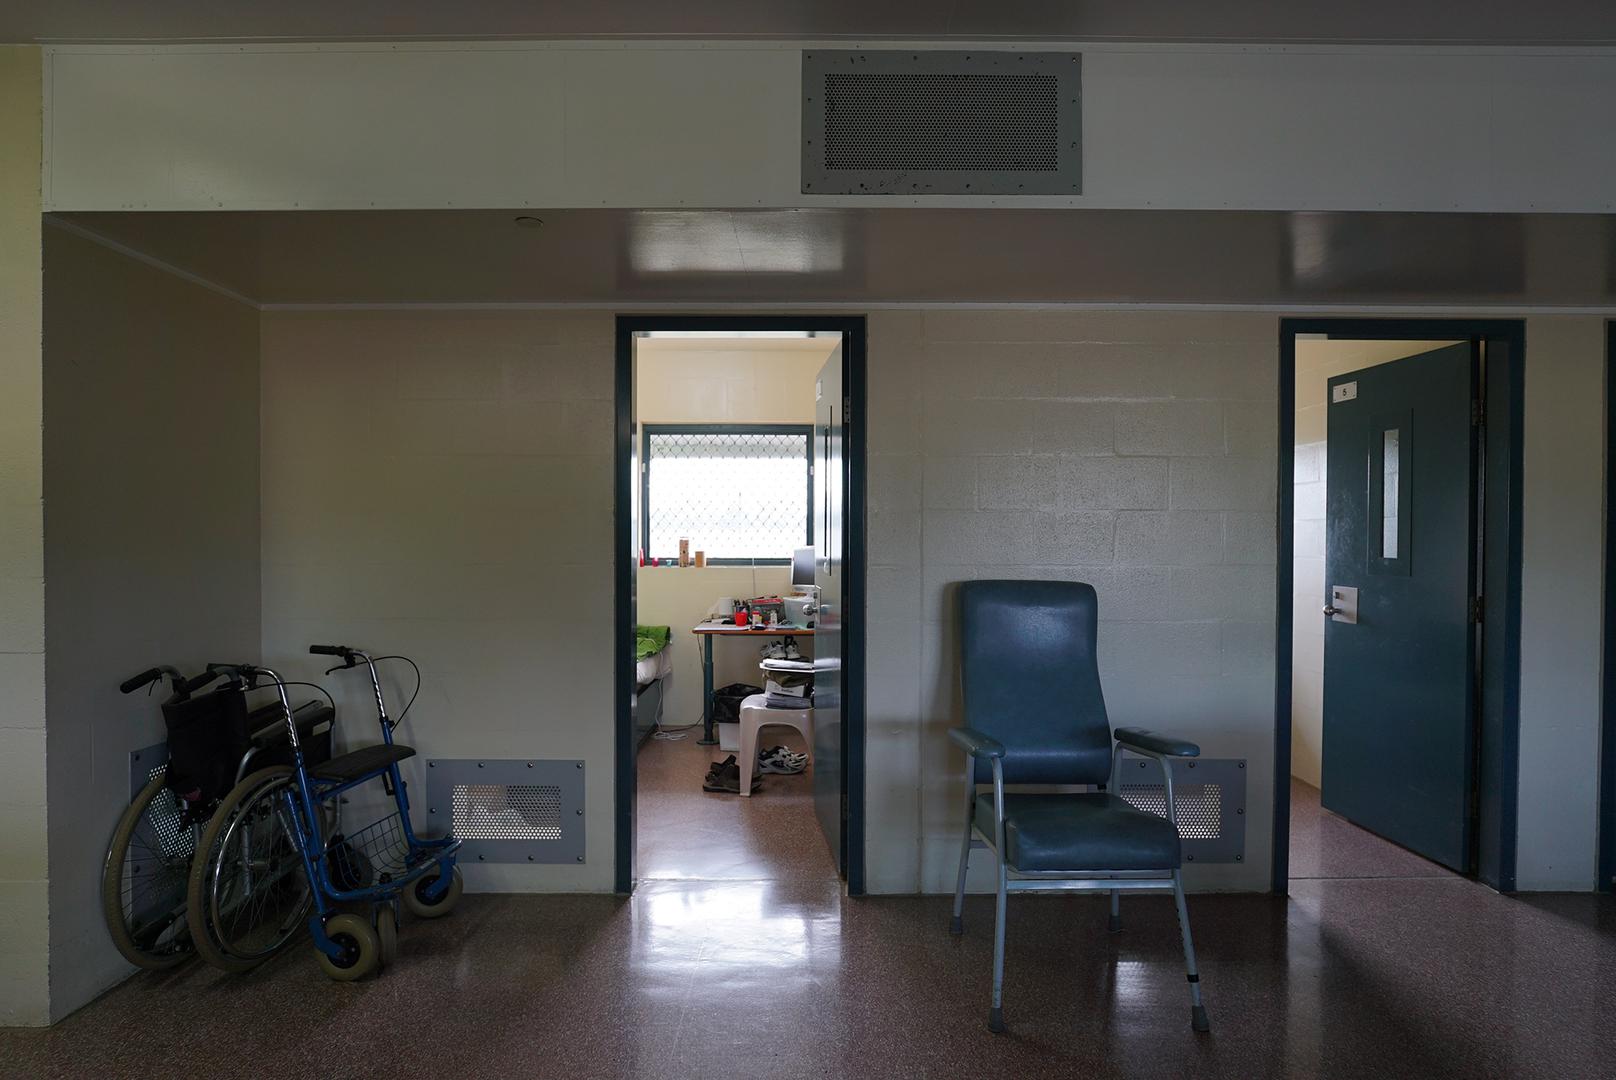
725	778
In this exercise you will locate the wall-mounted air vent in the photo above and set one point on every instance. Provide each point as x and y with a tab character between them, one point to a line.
941	123
508	811
1209	803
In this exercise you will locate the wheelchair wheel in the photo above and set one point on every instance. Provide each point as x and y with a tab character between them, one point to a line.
143	884
361	947
247	895
422	908
387	933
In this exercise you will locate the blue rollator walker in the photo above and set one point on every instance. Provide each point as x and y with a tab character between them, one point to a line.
359	878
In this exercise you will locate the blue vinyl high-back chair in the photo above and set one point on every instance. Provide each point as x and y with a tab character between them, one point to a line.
1034	714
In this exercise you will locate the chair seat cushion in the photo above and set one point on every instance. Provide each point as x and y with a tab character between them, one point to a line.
1085	831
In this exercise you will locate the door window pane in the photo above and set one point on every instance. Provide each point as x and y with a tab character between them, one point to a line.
1390	440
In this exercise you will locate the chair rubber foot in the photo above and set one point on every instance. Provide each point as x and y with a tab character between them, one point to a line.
1198	1019
1114	924
996	1020
956	926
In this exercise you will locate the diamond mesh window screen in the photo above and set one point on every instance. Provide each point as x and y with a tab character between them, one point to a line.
737	494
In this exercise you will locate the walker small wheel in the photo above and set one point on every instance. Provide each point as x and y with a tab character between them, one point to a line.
423	908
387	933
360	945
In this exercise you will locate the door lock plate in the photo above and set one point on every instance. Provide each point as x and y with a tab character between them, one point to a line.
1343	605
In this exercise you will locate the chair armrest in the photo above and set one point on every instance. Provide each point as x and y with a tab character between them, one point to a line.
975	743
1150	742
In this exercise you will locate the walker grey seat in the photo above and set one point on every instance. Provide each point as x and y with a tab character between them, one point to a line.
1035	715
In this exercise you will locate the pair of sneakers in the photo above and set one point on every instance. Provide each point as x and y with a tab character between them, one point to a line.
777	759
782	650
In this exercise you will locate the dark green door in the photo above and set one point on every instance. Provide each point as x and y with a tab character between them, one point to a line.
830	425
1400	630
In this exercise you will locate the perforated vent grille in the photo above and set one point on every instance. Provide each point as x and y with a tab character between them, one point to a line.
979	121
507	812
174	838
992	122
1198	807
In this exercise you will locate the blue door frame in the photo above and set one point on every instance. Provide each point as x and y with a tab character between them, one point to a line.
1607	742
1498	725
853	581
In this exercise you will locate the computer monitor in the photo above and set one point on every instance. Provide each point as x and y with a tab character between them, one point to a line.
802	567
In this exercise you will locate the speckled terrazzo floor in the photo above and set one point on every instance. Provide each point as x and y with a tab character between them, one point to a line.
1405	977
1325	845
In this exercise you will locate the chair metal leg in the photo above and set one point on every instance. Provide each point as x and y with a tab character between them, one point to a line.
1198	1019
1116	911
996	1013
957	925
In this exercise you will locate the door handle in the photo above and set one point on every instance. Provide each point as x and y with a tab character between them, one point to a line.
1331	610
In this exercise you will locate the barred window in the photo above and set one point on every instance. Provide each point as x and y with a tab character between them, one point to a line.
740	493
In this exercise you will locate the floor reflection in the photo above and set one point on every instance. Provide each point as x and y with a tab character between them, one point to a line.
688	834
1417	977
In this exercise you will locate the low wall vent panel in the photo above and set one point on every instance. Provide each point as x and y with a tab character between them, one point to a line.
1209	803
508	810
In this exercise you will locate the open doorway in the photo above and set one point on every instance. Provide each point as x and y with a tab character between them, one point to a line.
740	585
1400	561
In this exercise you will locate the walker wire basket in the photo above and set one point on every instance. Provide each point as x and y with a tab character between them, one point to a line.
376	855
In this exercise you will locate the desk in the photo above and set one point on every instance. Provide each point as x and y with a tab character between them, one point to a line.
706	632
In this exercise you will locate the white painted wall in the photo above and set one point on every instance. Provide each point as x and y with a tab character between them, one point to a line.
739	381
649	124
439	484
1130	449
1561	603
1317	362
24	908
151	544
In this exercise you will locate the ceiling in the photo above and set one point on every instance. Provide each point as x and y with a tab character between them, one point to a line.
871	256
1366	21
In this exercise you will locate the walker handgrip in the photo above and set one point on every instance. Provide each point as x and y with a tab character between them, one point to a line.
129	686
329	650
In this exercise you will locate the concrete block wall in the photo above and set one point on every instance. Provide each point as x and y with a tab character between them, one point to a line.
151	386
439	484
1134	451
24	871
1562	602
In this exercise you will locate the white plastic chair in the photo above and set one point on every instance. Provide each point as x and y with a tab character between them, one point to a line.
755	715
